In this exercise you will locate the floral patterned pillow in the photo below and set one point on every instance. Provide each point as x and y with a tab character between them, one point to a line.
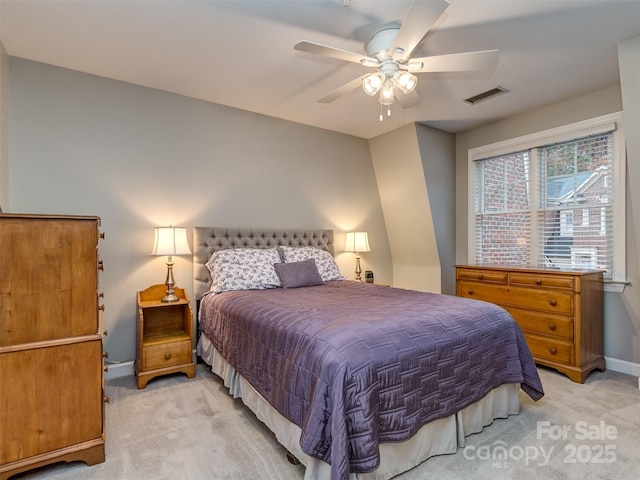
243	269
324	260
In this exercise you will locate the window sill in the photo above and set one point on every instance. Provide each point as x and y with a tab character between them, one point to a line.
615	286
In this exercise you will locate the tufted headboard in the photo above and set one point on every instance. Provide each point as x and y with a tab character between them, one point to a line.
207	240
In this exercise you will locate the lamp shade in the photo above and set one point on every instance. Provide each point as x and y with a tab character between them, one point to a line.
171	241
357	242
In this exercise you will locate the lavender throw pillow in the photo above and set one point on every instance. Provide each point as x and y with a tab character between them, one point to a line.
299	274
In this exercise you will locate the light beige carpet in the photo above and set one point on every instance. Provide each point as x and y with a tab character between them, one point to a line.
185	429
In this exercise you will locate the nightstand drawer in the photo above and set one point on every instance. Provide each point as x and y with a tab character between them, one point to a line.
166	354
531	280
550	349
544	323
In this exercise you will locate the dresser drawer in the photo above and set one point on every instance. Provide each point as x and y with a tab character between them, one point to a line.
552	301
482	291
551	281
544	323
546	348
166	354
482	275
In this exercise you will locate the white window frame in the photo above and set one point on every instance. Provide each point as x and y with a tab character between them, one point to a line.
611	122
566	223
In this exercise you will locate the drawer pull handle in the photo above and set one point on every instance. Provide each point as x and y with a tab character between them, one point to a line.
552	302
552	326
105	354
538	281
470	292
480	277
552	350
167	356
106	399
101	265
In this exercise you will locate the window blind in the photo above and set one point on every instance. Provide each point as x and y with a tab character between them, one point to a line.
503	210
575	203
549	206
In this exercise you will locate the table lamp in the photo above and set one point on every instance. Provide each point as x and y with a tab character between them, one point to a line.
357	242
170	241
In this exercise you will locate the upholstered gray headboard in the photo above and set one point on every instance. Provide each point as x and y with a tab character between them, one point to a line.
207	240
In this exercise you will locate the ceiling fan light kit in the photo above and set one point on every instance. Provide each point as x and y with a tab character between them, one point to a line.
389	52
405	81
372	83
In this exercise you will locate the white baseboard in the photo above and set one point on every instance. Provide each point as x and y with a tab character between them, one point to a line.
119	370
623	366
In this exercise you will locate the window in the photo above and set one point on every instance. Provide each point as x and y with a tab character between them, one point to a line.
554	199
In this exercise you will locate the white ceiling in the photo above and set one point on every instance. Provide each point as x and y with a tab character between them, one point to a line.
240	53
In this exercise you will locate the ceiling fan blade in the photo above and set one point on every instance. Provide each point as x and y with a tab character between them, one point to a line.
326	51
457	62
409	100
338	92
421	16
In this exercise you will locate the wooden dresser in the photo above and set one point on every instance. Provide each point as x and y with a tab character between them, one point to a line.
51	359
560	312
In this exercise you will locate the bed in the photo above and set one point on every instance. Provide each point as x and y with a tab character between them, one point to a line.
356	381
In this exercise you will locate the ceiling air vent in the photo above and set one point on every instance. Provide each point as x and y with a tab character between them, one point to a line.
486	95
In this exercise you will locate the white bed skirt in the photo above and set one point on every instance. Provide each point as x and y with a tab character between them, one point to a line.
439	437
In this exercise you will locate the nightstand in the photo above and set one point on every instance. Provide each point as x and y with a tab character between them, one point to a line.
164	335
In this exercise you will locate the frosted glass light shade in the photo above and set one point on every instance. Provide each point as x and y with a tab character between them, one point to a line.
405	81
357	242
372	83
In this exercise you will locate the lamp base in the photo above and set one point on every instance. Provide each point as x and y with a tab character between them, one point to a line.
170	297
358	269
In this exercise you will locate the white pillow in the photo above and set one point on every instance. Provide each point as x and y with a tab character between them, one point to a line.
325	262
243	269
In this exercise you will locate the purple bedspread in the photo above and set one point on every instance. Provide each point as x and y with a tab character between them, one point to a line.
354	364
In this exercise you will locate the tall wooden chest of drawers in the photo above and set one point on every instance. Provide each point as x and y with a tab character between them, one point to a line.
560	312
51	360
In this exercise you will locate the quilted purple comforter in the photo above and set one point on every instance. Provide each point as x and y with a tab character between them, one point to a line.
354	365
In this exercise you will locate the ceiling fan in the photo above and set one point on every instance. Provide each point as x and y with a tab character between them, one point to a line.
389	53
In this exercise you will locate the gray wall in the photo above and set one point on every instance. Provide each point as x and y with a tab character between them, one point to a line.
4	127
628	305
139	158
622	322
